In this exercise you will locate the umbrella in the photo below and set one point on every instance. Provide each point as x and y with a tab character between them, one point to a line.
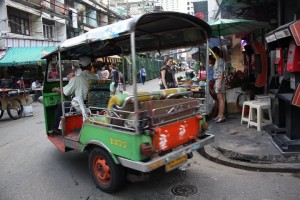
213	42
223	27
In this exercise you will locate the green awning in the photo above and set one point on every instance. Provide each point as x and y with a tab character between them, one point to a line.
16	56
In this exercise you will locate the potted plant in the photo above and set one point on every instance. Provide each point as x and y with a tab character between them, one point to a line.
81	10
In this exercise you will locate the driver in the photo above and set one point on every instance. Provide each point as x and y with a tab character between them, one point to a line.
77	87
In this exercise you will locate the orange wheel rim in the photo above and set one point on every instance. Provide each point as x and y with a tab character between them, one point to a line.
101	170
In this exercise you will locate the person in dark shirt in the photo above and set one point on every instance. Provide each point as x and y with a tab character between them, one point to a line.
168	79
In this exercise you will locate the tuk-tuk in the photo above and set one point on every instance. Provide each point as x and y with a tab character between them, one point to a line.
128	133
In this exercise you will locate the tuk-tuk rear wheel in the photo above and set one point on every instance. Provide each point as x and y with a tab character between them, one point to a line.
107	175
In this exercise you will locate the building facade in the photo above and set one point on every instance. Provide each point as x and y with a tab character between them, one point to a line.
133	7
34	23
29	29
186	7
201	9
169	5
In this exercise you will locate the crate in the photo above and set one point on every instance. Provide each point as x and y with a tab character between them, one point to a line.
158	112
264	98
51	99
166	111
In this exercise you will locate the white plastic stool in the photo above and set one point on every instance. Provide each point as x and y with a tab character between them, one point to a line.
246	104
260	120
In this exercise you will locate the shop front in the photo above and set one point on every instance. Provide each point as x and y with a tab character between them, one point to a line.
284	42
22	63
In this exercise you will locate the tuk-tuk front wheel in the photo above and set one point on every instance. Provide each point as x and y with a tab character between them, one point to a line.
107	175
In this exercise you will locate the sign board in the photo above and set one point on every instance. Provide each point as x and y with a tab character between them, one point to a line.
99	93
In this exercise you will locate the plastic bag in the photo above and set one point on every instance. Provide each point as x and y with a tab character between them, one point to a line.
79	105
119	89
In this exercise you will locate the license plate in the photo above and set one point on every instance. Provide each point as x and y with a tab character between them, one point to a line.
176	162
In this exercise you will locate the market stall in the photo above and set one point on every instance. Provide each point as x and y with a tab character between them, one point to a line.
13	101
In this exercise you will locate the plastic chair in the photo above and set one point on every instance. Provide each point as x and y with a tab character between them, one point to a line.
259	120
246	104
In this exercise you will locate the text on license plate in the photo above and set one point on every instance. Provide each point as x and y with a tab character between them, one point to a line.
174	163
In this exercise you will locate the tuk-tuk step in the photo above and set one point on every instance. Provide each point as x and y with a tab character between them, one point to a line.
57	140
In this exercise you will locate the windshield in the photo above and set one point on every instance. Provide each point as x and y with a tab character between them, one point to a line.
69	69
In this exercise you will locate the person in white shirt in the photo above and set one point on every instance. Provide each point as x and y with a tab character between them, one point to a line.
104	73
34	86
77	86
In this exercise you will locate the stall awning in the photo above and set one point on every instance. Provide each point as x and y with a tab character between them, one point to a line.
110	59
17	56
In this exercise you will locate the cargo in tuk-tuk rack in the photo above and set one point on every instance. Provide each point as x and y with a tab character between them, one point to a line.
128	134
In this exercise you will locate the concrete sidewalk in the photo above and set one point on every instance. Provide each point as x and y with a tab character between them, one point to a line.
238	146
150	85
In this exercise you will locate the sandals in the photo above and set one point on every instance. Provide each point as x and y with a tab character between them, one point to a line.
215	119
220	120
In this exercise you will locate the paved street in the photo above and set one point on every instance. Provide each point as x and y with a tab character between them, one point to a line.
32	168
242	164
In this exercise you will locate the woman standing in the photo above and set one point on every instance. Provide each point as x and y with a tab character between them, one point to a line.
219	84
168	79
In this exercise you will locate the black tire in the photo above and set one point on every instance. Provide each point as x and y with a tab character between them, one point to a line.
14	109
1	110
108	176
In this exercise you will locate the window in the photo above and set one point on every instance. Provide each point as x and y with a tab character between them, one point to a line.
18	21
99	15
72	32
70	3
91	16
52	4
48	28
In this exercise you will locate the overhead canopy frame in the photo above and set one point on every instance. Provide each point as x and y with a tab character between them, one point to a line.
153	31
